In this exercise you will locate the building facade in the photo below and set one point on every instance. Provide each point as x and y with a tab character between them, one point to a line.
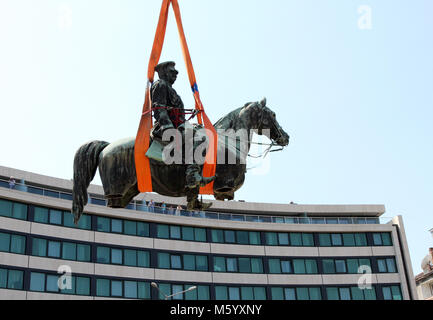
424	280
239	251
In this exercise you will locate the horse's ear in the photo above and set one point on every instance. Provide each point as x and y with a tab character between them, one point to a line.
263	103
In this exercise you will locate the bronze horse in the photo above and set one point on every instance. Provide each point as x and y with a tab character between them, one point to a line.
116	162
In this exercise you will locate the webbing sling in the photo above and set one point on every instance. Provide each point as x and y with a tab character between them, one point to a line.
142	164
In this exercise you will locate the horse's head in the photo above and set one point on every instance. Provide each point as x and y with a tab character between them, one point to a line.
267	120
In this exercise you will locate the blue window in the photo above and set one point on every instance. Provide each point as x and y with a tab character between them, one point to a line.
15	279
116	256
39	247
102	287
41	215
37	282
103	224
116	226
54	249
56	217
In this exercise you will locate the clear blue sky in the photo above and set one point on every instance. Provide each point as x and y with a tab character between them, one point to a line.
358	104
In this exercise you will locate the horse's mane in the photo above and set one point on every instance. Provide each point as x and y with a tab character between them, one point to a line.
234	114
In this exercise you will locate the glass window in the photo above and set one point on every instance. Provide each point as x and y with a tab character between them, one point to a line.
315	294
365	263
41	215
102	288
232	265
328	266
286	266
344	293
15	279
83	286
259	293
274	266
103	255
163	261
178	289
130	289
271	239
69	251
116	256
256	265
242	237
381	265
254	238
203	293
56	217
130	228
386	293
357	293
244	265
143	290
5	208
143	259
352	266
332	294
162	231
277	293
290	293
187	233
349	239
189	262
52	285
142	229
302	294
200	234
296	239
360	239
325	239
68	219
116	288
219	264
299	266
39	247
311	266
336	239
3	277
176	262
5	242
370	294
85	222
54	249
386	239
201	263
247	293
340	266
130	258
307	240
283	239
18	244
175	232
103	224
165	288
37	282
19	211
116	226
83	252
390	263
234	293
221	293
229	236
377	239
217	236
190	295
396	293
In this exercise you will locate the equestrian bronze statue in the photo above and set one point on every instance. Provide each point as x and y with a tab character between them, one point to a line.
116	161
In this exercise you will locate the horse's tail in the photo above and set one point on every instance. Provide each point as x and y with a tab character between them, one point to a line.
85	164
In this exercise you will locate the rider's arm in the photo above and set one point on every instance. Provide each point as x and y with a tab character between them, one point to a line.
159	103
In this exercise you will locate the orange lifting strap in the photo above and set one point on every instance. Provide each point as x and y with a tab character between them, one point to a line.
142	141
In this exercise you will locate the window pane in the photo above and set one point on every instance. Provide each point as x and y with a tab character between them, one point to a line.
325	239
307	240
247	293
5	208
244	265
83	252
221	293
69	251
242	237
286	267
377	239
387	293
370	294
175	232
277	293
166	289
54	249
328	266
103	224
344	293
332	293
361	239
176	262
163	261
18	244
130	228
143	259
178	289
256	265
203	293
299	266
68	219
201	263
396	292
381	264
315	294
274	266
103	255
259	293
41	215
52	285
131	258
386	239
254	238
116	288
142	229
19	211
217	236
187	233
296	239
15	279
102	288
357	293
290	293
390	263
200	234
68	285
365	263
56	217
5	242
83	286
37	282
234	293
352	266
130	289
349	239
162	231
39	247
219	264
85	222
232	265
143	290
189	262
3	278
302	294
190	295
229	236
271	239
116	256
340	266
116	226
336	239
311	266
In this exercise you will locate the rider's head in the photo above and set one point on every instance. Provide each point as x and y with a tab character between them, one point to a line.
167	72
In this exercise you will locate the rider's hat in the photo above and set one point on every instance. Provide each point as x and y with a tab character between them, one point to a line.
162	66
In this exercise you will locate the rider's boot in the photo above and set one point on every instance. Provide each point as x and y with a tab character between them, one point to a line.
193	183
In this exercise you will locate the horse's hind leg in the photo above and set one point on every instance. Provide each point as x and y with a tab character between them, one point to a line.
121	201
